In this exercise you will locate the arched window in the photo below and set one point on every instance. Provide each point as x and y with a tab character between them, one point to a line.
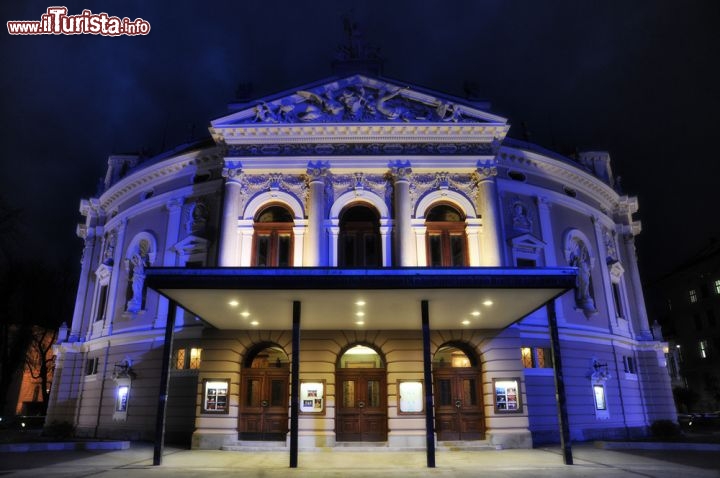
359	241
272	245
446	238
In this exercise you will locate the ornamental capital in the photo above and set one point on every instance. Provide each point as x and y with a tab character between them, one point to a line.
486	169
318	170
174	203
232	170
401	170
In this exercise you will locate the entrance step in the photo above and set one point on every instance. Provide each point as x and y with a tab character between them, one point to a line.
470	445
255	445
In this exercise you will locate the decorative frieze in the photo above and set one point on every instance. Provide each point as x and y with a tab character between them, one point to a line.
358	149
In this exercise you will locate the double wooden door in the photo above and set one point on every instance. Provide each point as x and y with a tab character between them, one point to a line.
361	405
264	404
458	404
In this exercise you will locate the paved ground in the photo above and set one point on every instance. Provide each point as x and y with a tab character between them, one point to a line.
541	462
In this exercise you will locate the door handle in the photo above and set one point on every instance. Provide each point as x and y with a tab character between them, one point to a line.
458	403
361	404
264	403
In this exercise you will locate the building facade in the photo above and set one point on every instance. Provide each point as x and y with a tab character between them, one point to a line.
329	196
688	301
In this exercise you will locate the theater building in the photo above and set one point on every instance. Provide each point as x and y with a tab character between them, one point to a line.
357	261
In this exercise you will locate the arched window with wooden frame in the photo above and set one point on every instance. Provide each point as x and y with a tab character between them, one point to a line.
359	243
446	237
273	237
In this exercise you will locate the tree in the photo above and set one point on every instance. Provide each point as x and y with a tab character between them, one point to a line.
35	298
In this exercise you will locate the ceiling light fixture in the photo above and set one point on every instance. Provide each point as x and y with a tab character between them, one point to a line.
360	322
254	322
475	313
233	303
360	303
466	322
488	303
360	314
245	313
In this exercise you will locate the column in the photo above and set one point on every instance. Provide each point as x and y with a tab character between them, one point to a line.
164	386
314	239
228	255
472	230
639	313
385	240
333	234
244	234
420	231
492	248
404	240
427	378
560	395
295	386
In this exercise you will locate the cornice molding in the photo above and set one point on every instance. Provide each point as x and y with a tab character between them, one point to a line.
360	133
157	202
156	174
562	173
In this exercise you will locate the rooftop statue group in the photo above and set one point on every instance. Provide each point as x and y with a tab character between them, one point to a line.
357	103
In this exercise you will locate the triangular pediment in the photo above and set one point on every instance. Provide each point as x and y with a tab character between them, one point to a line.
526	242
358	99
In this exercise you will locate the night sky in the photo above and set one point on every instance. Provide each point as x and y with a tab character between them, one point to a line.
639	79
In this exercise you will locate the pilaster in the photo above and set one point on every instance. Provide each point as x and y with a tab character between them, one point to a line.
174	208
640	318
113	289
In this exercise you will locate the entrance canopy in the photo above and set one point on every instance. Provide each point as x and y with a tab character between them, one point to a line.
387	298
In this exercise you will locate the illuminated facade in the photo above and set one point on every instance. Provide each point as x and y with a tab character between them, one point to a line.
368	204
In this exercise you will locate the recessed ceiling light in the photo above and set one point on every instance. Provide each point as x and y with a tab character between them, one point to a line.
254	322
488	302
360	322
245	313
466	322
360	314
360	302
475	313
233	303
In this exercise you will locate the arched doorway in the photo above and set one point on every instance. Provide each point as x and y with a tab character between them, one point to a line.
264	398
272	244
361	396
458	394
359	243
446	237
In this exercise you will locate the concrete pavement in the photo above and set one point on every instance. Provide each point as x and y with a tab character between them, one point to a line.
542	462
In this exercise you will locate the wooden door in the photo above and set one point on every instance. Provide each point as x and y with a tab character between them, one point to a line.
264	404
458	404
361	405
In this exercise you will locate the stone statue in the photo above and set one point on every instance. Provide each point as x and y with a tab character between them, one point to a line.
136	266
392	112
580	258
520	219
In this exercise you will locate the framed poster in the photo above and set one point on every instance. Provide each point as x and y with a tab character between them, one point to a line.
312	396
215	395
410	396
507	395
